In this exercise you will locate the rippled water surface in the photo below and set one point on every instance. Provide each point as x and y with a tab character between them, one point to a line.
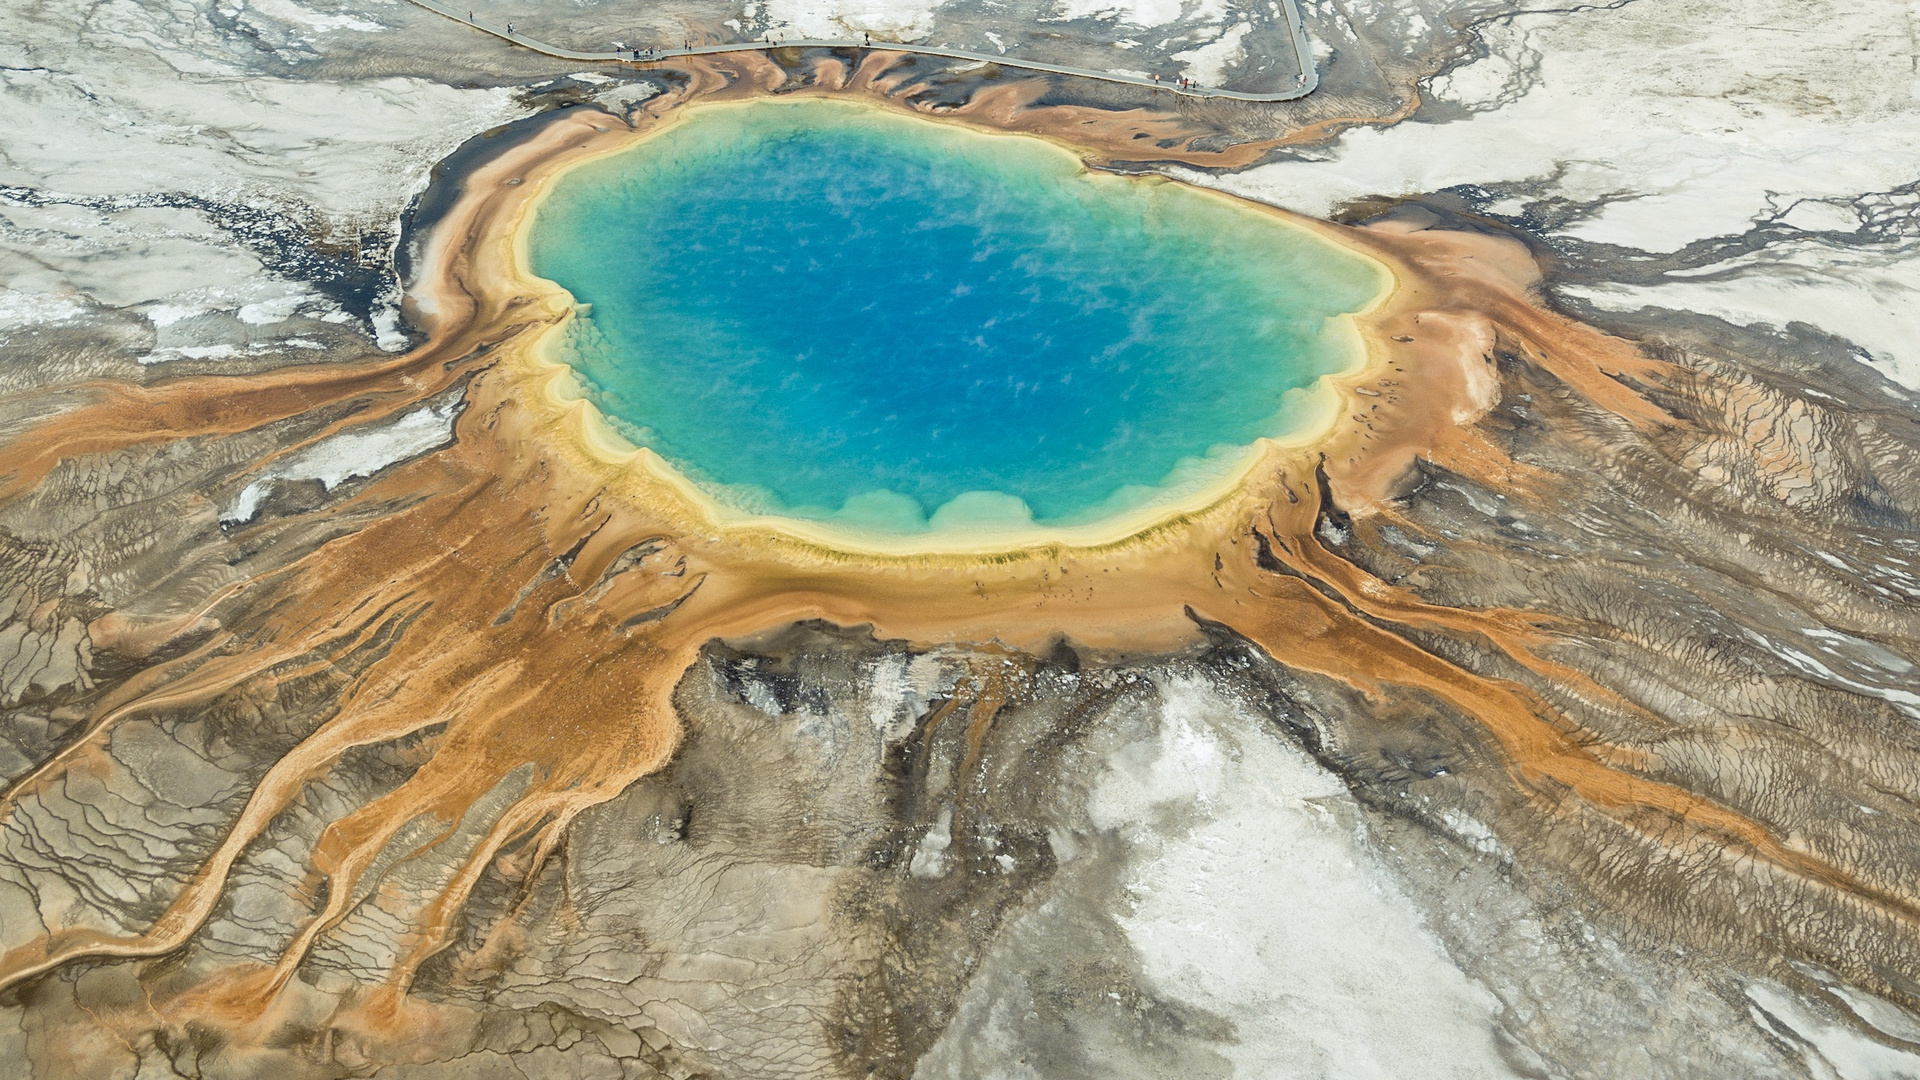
827	311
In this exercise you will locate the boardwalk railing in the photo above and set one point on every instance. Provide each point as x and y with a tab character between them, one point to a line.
1309	78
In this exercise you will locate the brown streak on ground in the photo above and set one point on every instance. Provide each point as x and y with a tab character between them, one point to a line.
576	681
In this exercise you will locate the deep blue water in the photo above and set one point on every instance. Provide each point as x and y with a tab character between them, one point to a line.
827	311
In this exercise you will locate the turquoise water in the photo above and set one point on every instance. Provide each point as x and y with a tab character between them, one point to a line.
825	311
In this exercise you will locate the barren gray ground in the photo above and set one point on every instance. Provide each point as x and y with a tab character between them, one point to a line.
1199	865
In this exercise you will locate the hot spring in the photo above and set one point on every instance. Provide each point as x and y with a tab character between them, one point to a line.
831	312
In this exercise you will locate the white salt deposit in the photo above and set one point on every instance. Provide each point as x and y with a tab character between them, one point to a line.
1274	911
1677	138
355	453
1830	1047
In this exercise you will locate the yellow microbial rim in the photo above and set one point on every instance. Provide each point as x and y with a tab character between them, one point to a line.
642	474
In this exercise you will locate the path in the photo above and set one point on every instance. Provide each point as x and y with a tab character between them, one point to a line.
1303	55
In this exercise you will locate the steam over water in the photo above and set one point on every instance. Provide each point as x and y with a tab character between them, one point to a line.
831	312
